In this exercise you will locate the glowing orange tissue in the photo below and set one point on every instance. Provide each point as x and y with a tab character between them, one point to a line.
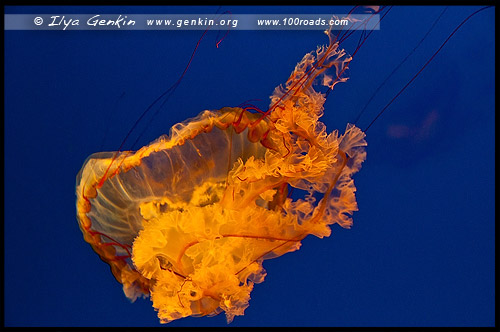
190	218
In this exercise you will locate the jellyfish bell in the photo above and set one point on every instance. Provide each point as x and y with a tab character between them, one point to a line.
190	218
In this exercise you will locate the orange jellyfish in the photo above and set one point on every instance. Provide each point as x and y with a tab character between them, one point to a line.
190	218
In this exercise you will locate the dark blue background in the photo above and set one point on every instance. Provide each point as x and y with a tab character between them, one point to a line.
421	251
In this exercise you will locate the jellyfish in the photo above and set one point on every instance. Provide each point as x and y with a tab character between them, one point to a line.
190	218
